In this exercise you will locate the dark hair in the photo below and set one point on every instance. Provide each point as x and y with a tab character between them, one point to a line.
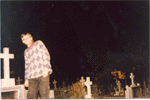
26	33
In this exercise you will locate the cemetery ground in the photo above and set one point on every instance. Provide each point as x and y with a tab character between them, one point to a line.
84	88
78	90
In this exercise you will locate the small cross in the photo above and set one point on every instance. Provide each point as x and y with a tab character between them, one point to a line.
19	80
6	56
55	84
63	84
132	79
82	81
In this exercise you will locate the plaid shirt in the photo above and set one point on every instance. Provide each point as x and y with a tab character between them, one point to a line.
37	60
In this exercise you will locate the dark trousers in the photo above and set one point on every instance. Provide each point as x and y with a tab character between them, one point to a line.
40	84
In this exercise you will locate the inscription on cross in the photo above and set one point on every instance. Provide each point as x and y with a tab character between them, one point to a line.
82	81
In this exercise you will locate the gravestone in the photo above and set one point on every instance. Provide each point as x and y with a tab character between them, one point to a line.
128	92
55	87
88	84
82	81
19	80
51	96
117	89
63	85
133	91
7	80
132	80
119	86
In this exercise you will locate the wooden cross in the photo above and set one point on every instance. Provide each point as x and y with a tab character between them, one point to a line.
82	81
19	80
55	84
6	56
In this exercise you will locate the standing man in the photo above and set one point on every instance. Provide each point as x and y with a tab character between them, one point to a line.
37	67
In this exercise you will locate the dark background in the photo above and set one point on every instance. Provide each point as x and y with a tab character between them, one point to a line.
83	38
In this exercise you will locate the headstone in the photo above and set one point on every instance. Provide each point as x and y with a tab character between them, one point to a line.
55	84
82	81
19	80
7	80
88	83
127	92
63	85
119	86
132	80
51	96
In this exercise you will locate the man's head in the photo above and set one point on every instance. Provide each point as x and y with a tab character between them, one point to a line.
27	38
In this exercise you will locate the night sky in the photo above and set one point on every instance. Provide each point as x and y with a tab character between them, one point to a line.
83	38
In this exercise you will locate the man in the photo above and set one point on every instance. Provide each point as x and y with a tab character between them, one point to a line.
37	67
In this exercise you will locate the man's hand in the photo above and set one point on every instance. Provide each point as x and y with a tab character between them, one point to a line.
26	83
45	74
51	71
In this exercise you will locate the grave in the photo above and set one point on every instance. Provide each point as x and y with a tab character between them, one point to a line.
133	91
88	84
82	81
8	84
7	80
117	93
55	87
132	80
19	80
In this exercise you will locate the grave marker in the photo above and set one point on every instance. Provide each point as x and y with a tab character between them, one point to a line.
55	84
132	79
88	83
19	80
82	81
63	85
119	86
7	80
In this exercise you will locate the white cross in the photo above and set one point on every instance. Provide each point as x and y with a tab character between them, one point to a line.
55	84
6	56
88	83
132	79
82	81
19	80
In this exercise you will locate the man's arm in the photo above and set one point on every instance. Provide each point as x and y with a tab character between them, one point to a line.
26	83
46	59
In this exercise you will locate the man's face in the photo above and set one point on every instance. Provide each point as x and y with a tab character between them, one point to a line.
27	39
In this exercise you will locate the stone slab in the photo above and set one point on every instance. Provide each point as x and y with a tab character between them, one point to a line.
19	88
8	82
